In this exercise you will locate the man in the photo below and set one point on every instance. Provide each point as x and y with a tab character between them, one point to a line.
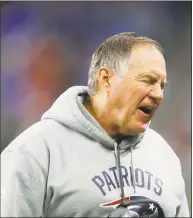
93	153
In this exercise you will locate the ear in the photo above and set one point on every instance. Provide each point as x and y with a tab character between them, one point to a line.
104	76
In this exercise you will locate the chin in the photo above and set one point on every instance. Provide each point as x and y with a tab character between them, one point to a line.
137	129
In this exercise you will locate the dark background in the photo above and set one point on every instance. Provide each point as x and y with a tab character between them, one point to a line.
46	48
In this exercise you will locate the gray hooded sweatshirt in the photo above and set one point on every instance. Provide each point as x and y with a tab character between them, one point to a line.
67	166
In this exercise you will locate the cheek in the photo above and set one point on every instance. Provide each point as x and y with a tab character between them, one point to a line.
131	100
140	92
133	95
118	96
126	96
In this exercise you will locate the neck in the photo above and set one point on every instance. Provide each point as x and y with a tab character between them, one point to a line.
101	115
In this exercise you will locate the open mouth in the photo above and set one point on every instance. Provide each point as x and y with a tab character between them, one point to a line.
146	110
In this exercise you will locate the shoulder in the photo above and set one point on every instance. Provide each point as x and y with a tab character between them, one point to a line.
155	136
39	139
25	138
37	135
29	145
162	147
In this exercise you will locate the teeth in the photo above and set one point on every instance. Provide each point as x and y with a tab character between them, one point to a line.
150	109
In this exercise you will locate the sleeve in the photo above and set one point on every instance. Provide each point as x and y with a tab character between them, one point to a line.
23	184
175	164
183	209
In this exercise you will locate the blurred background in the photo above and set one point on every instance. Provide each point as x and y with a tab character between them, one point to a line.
46	48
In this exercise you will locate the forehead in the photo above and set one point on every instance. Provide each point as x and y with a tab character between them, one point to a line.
146	58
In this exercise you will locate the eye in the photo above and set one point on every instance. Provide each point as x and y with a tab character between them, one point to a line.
162	86
153	81
150	81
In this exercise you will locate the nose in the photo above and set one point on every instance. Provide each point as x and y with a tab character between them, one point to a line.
156	93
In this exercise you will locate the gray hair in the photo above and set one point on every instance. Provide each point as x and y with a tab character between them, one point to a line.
114	54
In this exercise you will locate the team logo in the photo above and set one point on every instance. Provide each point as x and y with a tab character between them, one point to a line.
145	209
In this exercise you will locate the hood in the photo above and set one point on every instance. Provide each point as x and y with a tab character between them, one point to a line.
68	110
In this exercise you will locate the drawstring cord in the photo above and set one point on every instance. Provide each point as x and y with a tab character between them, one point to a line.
132	171
118	165
124	203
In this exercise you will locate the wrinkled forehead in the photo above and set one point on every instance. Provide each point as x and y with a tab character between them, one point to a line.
145	55
147	59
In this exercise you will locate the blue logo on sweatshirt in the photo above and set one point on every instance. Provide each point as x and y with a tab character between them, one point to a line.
139	209
108	180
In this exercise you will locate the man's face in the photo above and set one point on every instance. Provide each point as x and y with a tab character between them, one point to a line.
134	98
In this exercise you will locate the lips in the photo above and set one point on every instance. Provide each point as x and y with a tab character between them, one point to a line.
146	110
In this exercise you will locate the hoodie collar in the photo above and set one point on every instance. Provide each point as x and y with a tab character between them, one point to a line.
69	110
